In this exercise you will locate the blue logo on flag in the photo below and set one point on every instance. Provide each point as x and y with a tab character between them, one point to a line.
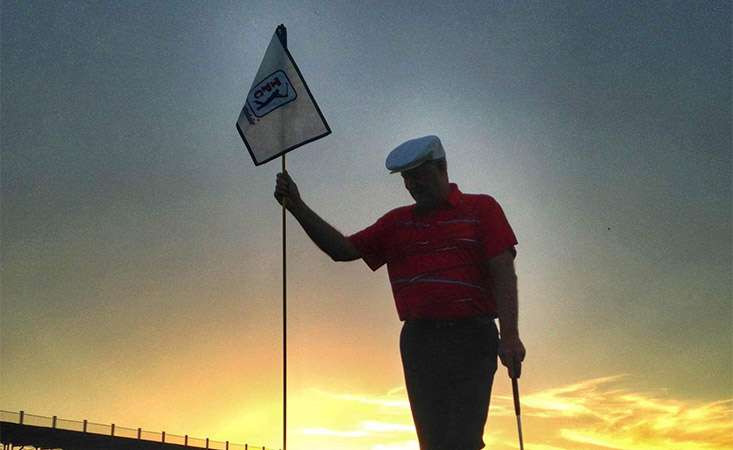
271	93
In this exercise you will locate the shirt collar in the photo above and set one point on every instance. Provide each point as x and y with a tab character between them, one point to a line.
454	197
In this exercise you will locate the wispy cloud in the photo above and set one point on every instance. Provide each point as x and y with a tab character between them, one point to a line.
329	432
531	446
365	428
382	427
359	421
599	413
409	445
397	390
388	401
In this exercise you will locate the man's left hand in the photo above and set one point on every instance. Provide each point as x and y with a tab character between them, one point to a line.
511	353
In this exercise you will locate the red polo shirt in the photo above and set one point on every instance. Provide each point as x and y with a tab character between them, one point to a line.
435	260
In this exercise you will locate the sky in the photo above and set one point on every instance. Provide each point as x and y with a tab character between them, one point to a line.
141	247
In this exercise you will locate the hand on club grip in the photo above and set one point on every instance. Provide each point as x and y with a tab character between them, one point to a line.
511	353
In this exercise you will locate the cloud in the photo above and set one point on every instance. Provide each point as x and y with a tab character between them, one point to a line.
387	401
595	412
573	400
329	432
382	427
365	428
397	390
530	446
409	445
599	413
361	420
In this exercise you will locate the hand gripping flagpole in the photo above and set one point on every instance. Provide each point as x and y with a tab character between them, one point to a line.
515	373
282	33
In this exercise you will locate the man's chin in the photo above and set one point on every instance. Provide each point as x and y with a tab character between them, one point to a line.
424	204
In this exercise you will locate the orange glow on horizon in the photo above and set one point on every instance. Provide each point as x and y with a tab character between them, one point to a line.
594	413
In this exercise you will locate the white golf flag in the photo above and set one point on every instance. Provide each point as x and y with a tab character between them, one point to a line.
280	113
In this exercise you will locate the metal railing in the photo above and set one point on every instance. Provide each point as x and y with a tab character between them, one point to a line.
112	430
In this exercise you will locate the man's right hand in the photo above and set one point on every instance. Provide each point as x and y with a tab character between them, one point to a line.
286	190
326	237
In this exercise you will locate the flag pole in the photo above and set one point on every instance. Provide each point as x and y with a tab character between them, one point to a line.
285	331
282	33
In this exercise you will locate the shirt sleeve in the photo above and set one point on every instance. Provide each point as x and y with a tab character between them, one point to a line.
372	242
497	234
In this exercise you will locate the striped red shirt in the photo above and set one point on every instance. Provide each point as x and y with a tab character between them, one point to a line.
435	260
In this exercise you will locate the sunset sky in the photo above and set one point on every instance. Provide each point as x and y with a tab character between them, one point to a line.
141	247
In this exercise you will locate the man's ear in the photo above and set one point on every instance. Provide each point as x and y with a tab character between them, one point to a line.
443	166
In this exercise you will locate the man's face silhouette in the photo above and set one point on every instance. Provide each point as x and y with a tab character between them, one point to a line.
427	184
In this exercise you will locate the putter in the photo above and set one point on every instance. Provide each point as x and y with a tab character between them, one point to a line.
515	391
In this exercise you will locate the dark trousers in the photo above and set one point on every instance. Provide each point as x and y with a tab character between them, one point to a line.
449	368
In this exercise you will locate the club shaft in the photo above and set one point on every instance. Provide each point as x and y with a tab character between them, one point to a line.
517	410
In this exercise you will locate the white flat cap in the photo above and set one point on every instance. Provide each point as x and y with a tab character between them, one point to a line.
414	152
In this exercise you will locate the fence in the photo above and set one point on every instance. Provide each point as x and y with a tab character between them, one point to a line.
122	432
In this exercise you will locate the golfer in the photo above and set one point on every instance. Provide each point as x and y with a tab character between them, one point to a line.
450	259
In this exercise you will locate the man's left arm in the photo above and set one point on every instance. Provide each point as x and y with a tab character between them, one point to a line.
504	282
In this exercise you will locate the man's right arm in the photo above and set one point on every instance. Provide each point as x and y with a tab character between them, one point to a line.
330	240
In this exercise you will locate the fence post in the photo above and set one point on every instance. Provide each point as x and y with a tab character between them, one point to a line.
185	440
85	425
245	447
22	413
227	445
139	433
163	433
207	442
113	430
53	422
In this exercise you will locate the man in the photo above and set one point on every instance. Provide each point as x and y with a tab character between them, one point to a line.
450	259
